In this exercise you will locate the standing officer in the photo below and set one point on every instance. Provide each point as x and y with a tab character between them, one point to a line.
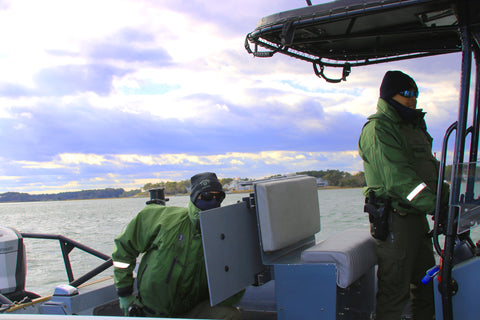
401	175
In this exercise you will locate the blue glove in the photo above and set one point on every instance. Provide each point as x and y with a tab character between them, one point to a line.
126	302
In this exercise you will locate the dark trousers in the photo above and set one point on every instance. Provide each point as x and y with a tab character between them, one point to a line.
403	259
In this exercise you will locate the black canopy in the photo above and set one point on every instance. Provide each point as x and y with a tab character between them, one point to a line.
346	33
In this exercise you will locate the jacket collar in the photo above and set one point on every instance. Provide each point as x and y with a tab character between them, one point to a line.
386	110
194	215
193	211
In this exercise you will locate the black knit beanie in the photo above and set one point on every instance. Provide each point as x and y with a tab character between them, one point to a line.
204	182
394	82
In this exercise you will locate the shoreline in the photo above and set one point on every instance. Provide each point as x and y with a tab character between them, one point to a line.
145	195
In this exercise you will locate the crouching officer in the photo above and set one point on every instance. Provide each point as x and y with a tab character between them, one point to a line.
401	174
171	277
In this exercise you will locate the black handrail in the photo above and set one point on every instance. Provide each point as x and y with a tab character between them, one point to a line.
67	245
89	275
441	177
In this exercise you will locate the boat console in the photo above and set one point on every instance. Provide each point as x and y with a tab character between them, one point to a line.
268	241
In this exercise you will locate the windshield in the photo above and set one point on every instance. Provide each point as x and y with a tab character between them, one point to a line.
469	199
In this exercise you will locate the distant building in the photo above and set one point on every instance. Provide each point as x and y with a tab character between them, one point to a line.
321	182
245	185
236	185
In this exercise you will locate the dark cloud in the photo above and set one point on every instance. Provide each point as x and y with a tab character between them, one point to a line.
5	4
130	45
271	126
447	63
67	80
45	131
74	79
132	35
126	46
127	53
11	90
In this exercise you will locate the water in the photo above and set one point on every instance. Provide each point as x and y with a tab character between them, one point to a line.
96	223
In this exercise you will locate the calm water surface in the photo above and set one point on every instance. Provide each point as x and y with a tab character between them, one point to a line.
96	223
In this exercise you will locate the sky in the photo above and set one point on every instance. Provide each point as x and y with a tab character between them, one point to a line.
119	93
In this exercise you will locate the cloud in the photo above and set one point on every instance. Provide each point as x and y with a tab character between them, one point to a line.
76	79
67	80
4	4
113	93
134	170
79	127
128	46
14	90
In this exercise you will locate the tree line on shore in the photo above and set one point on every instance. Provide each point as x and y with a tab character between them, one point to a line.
335	178
74	195
338	178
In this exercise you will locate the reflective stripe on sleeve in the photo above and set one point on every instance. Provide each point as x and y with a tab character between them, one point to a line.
121	265
416	191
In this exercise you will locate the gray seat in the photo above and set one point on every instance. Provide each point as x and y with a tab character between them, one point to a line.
352	251
288	211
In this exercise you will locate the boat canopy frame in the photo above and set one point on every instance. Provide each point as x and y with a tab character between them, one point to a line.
345	34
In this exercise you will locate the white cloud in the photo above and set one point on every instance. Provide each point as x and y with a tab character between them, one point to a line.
77	158
40	188
7	178
40	165
206	78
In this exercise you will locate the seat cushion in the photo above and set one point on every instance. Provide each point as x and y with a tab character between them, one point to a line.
288	211
352	251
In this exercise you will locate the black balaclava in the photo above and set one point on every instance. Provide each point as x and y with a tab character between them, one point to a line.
204	182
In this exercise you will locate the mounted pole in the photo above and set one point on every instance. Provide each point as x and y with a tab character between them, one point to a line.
447	286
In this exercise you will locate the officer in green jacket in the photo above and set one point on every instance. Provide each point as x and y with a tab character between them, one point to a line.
401	174
171	276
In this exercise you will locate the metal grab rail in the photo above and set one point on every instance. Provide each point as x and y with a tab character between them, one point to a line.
441	177
67	245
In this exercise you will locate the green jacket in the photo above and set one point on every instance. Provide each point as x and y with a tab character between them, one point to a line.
398	160
171	277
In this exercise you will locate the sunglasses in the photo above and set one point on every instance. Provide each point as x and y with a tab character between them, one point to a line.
208	196
409	93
